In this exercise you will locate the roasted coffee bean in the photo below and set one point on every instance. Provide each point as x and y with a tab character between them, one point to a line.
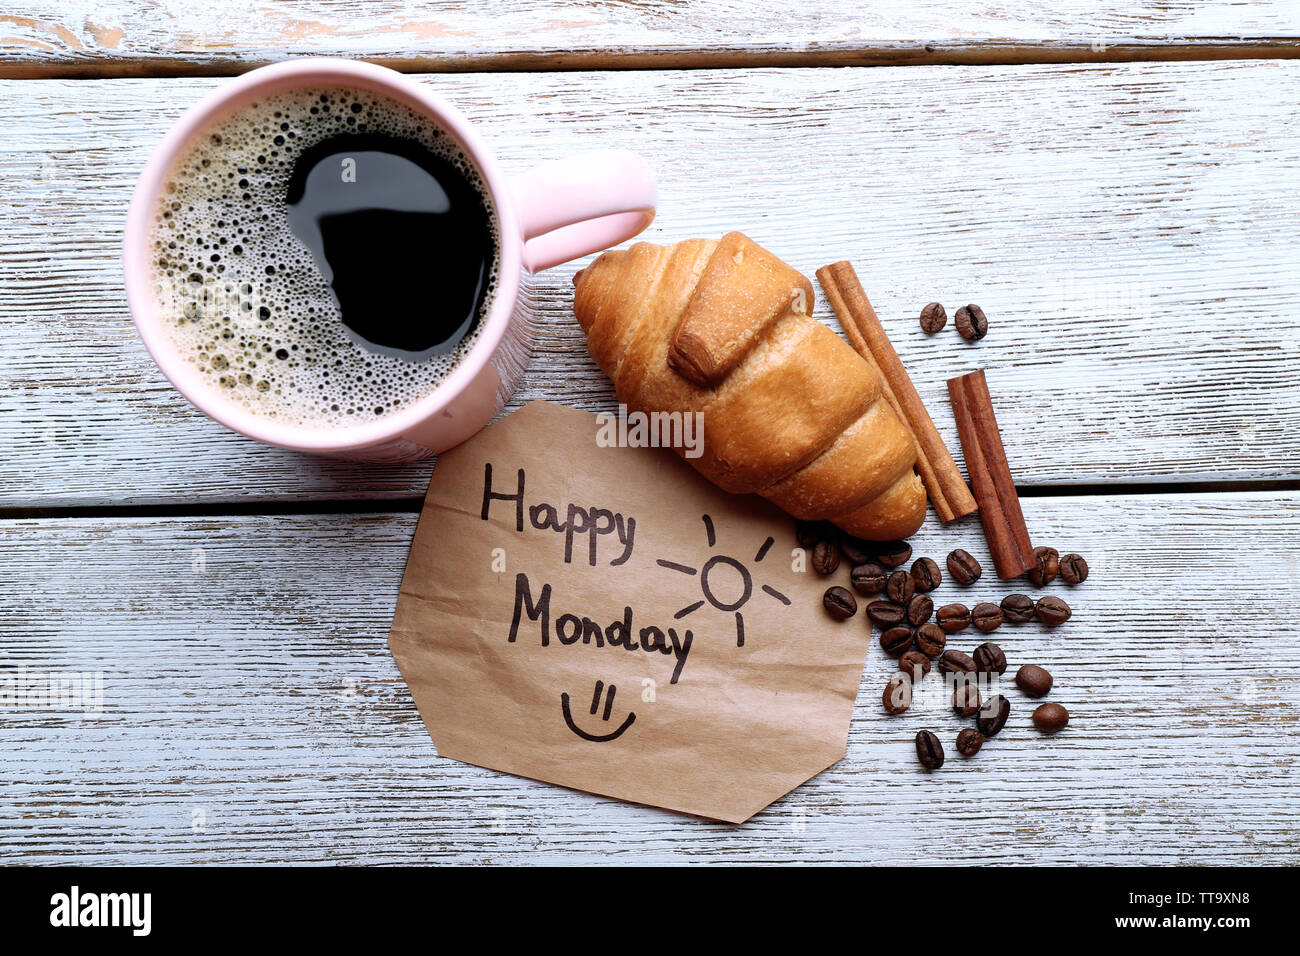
953	618
963	567
919	609
1034	680
986	617
926	575
933	318
1047	563
856	551
914	664
892	554
896	640
993	715
972	323
965	699
969	742
826	556
928	750
1074	570
1018	608
1052	611
1049	718
898	694
840	603
899	587
868	578
808	533
953	661
989	659
930	640
886	614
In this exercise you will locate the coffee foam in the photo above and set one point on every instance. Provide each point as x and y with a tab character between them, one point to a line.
243	298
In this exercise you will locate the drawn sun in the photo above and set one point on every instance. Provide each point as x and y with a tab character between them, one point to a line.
727	583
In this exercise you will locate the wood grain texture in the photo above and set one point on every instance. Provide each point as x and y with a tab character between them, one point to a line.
1126	229
173	37
252	712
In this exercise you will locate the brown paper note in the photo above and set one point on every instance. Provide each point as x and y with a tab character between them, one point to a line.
623	627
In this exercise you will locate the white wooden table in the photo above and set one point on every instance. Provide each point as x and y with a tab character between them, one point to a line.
1117	190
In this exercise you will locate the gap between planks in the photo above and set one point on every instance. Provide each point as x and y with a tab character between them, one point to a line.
412	504
815	55
108	38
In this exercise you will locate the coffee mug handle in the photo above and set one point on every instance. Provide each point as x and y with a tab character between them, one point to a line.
570	208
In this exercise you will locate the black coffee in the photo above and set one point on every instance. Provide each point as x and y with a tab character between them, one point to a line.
403	238
324	256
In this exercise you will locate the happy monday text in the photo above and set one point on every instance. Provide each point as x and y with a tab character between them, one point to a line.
593	524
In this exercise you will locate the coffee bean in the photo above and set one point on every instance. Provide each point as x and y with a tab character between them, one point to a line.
986	617
953	661
930	640
993	716
898	694
933	318
926	575
1034	680
953	618
893	553
989	659
1047	563
972	323
886	614
1049	718
855	550
896	640
826	556
1018	608
1052	611
928	750
919	609
963	567
899	587
1074	570
969	742
840	603
808	533
868	578
965	699
914	664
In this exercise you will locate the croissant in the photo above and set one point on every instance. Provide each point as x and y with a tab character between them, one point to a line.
790	411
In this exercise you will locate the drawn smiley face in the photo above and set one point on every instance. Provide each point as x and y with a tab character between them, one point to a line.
567	710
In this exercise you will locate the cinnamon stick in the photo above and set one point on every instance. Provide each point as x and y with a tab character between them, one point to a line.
990	475
943	481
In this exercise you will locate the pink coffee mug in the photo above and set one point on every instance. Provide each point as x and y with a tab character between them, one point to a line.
560	211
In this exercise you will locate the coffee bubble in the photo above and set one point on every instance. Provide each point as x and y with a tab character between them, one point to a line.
242	297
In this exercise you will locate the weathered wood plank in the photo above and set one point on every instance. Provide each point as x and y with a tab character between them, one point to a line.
171	37
1127	230
252	712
